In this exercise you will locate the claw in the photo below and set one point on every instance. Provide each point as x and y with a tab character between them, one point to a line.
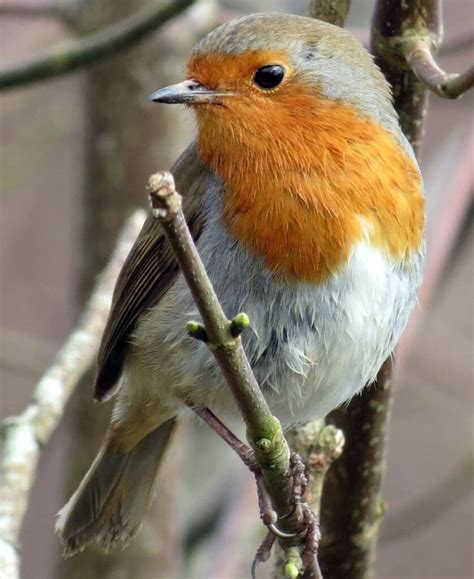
253	569
276	531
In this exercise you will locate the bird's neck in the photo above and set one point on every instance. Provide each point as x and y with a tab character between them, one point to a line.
302	194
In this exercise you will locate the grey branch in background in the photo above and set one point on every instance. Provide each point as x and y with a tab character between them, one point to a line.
23	437
35	9
80	53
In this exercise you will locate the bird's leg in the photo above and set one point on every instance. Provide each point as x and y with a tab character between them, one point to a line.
267	514
243	450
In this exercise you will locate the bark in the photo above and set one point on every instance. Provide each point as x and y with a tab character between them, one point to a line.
332	11
394	21
351	505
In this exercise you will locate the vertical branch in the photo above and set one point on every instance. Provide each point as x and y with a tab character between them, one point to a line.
352	507
332	12
394	23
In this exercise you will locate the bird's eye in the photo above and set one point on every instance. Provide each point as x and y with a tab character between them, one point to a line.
269	76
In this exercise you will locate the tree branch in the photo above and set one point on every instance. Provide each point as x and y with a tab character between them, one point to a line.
449	86
28	9
352	507
107	42
332	12
24	436
264	431
394	21
319	445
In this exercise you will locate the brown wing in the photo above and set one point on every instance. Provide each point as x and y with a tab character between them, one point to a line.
147	273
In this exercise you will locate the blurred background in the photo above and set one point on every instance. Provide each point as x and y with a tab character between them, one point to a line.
73	144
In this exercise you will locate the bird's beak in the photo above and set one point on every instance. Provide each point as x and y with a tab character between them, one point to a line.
188	92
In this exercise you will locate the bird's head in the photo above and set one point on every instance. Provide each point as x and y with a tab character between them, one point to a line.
297	122
268	75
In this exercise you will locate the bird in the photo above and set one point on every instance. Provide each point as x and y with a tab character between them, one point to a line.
306	204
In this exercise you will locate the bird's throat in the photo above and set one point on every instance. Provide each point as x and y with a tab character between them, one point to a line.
304	198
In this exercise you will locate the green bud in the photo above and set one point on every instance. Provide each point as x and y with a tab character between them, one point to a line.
197	331
290	570
240	323
263	444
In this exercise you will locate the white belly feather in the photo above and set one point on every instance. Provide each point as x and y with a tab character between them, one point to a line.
311	347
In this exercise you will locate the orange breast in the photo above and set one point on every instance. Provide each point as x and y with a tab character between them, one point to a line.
305	179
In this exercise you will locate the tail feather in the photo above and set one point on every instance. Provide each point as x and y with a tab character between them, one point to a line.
112	499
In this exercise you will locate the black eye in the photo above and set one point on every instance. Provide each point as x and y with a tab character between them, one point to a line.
269	76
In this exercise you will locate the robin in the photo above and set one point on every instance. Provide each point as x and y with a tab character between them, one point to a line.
306	205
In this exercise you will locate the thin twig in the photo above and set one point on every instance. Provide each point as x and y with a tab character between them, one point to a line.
264	431
80	53
28	9
449	86
24	436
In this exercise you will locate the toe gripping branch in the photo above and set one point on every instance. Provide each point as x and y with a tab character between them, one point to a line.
302	545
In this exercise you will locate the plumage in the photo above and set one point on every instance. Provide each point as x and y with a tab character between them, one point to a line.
148	271
306	205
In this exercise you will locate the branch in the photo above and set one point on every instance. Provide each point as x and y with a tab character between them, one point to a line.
263	430
107	42
24	436
25	9
449	86
319	445
393	24
352	507
332	12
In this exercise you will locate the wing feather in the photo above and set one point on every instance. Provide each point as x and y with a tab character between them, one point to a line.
147	273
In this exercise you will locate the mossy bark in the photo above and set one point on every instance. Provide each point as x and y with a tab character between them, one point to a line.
332	11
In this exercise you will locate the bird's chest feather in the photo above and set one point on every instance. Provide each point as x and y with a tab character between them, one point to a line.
304	191
311	345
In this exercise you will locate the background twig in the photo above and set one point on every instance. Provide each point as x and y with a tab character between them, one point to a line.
449	86
80	53
35	9
24	436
